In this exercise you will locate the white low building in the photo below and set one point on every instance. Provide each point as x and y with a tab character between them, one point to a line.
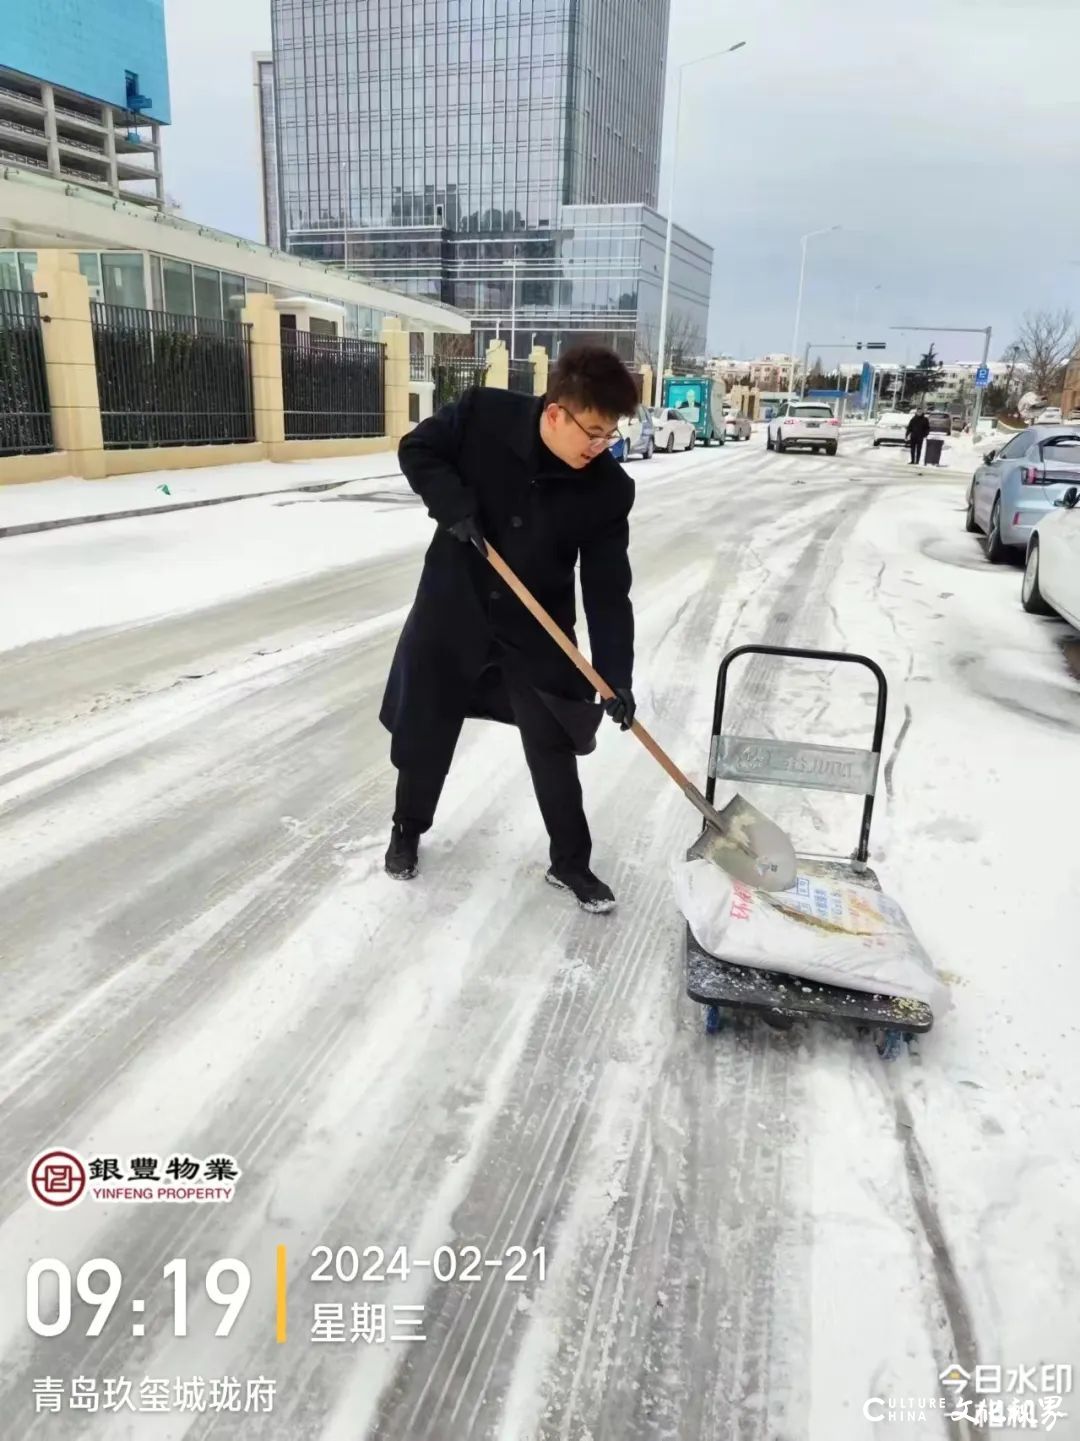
136	256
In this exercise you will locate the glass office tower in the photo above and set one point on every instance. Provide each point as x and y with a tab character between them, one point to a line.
427	143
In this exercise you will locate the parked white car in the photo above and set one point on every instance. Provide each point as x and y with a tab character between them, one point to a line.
1050	416
1052	572
809	423
672	431
737	427
890	428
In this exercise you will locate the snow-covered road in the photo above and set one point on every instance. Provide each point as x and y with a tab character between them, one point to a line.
743	1237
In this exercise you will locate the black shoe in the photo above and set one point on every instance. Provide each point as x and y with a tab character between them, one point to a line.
592	894
402	854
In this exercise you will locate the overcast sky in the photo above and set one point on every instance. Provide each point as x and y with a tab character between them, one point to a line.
942	135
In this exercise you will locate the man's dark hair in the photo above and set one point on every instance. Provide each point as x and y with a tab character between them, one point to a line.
591	377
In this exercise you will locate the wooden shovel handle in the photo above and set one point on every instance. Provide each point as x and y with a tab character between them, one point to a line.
595	679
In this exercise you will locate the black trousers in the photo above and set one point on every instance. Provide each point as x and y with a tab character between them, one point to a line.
916	449
552	763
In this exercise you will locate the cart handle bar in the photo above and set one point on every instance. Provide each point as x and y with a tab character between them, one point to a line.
800	653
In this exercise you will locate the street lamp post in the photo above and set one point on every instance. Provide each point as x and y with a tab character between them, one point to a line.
700	60
513	264
798	303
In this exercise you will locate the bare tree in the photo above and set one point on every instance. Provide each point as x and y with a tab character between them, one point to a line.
1046	340
449	346
683	347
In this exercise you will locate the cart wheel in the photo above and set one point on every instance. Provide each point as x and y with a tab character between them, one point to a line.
714	1020
889	1043
778	1020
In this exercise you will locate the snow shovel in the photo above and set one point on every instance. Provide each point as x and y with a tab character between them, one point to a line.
739	838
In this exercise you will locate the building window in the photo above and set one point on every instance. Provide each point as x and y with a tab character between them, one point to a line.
27	266
177	283
156	294
122	279
9	270
232	295
90	269
207	293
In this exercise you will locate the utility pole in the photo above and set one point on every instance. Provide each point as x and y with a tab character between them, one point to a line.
805	370
827	230
976	413
665	282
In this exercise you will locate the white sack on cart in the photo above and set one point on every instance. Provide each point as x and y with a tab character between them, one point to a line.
835	932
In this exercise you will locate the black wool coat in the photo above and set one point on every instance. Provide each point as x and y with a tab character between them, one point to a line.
483	457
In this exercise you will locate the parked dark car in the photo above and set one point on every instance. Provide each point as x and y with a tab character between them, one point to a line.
941	422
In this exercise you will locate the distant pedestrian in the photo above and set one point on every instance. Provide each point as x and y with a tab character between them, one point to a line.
918	428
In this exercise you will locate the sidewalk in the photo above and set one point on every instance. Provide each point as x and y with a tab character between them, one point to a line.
52	504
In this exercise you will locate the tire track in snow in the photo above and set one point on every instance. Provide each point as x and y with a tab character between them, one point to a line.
313	1060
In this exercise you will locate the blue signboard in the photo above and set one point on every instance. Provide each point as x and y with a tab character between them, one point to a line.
982	376
866	387
93	49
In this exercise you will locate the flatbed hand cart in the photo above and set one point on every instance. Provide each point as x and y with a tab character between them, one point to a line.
780	998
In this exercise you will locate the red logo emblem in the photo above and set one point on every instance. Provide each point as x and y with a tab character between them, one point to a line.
57	1178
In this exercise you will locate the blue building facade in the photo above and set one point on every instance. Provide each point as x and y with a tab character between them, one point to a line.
92	47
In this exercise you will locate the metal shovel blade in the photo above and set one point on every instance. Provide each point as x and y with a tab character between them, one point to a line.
752	849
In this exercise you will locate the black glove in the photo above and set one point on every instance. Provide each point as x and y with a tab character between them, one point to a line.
468	532
621	708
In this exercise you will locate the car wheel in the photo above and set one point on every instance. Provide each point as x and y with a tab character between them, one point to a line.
1030	595
971	525
831	449
779	446
692	441
707	441
995	546
670	447
769	441
876	444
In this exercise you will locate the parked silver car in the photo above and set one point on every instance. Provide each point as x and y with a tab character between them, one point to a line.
1016	486
736	426
637	431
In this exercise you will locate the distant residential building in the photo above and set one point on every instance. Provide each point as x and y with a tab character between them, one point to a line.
84	92
767	372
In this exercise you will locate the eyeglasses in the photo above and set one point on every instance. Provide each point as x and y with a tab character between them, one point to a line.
596	442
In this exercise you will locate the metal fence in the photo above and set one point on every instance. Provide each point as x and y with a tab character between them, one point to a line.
333	386
25	417
420	366
453	377
521	376
168	379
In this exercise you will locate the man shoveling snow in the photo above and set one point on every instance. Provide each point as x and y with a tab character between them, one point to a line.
535	477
